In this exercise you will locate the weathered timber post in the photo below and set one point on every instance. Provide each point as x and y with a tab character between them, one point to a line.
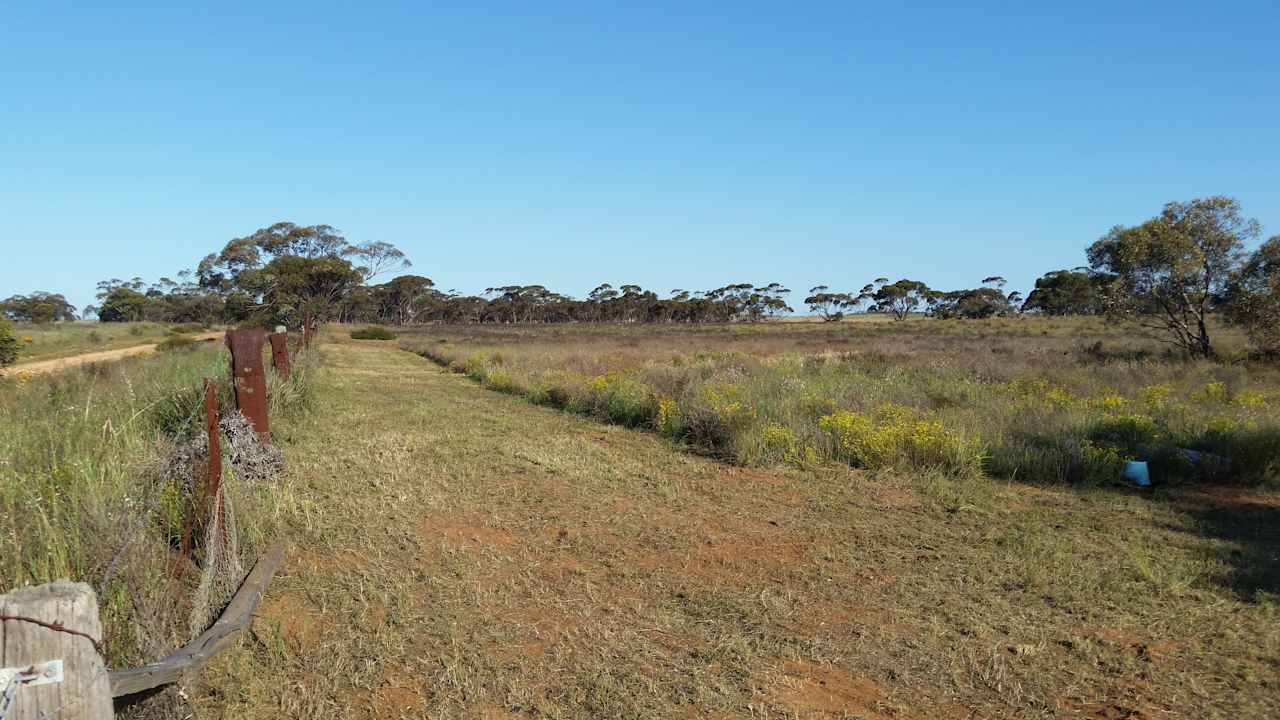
51	664
280	353
249	377
308	329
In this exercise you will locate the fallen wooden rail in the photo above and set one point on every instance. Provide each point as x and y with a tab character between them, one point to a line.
197	652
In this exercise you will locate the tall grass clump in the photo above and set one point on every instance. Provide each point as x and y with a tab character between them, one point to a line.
101	471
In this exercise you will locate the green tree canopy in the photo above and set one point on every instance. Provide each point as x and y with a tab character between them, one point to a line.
38	307
288	271
898	299
830	306
1252	298
1169	269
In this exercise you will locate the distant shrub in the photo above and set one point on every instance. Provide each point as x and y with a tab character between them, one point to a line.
501	380
372	332
475	367
621	398
177	342
187	328
556	396
8	343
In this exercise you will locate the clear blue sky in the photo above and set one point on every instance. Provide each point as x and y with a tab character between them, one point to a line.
670	144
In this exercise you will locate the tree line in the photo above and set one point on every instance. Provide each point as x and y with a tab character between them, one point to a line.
1169	273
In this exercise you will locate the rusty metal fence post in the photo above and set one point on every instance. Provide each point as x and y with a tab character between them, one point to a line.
213	473
212	477
249	377
280	353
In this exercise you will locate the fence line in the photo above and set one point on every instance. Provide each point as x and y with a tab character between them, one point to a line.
51	660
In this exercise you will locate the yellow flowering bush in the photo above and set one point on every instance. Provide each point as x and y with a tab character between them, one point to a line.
1251	399
1156	395
668	419
621	398
719	395
1215	392
1227	424
501	379
1037	394
1110	402
475	366
779	440
899	436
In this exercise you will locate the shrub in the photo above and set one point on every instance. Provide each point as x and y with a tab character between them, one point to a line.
501	380
177	342
620	398
668	418
187	328
372	332
779	442
898	437
8	343
475	367
555	396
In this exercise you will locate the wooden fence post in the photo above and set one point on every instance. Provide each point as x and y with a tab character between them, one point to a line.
51	664
280	353
249	377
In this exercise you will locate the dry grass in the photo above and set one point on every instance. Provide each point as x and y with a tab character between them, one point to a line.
101	468
465	554
1037	399
63	339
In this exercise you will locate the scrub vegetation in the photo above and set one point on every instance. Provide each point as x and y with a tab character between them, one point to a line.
101	468
1042	400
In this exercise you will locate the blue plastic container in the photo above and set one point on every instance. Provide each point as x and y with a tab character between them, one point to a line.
1135	471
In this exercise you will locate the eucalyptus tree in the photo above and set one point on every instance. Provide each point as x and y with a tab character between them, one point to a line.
1252	298
828	305
1169	270
1067	292
898	299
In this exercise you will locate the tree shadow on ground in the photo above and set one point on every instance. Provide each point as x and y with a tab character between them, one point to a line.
1248	522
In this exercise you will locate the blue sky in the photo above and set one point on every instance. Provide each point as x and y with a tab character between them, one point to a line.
670	144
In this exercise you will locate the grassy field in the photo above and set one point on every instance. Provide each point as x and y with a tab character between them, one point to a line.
99	471
466	553
62	339
1040	400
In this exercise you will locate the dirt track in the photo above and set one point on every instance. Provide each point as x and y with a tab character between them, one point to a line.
41	367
